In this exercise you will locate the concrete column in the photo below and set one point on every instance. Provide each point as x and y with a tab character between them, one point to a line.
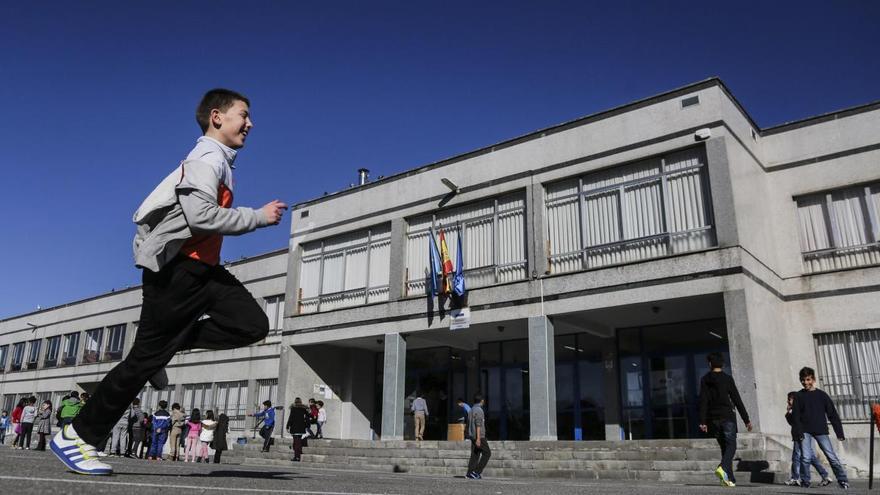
611	379
542	379
535	227
394	379
721	191
742	363
252	399
291	295
397	273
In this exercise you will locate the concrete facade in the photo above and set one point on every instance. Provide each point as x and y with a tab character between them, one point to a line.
752	277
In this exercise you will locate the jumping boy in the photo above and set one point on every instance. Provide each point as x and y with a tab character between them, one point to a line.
811	407
718	396
189	299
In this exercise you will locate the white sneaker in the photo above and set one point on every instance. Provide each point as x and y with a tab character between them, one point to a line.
102	454
76	454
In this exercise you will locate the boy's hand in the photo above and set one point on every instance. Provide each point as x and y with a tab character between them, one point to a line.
704	428
274	211
749	426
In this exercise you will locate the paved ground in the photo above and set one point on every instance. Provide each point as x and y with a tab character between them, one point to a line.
27	472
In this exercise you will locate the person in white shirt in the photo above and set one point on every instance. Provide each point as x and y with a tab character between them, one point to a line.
206	436
322	418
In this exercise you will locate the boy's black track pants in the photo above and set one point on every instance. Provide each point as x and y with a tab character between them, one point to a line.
174	301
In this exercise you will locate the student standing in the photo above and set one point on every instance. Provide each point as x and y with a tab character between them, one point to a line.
206	436
28	416
136	428
178	418
4	426
44	428
297	426
16	421
161	424
480	451
268	416
69	408
419	409
180	229
194	428
813	410
119	436
718	396
219	443
797	436
322	418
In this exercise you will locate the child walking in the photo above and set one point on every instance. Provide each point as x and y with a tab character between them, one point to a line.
44	428
206	436
180	229
718	396
194	427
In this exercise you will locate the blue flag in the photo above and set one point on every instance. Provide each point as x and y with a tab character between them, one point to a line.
458	287
434	260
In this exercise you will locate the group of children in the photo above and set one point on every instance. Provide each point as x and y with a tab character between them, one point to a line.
809	411
142	435
27	417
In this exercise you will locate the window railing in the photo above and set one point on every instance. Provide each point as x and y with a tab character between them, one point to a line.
344	299
823	260
852	395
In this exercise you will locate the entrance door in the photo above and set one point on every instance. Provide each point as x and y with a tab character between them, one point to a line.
660	371
504	376
427	373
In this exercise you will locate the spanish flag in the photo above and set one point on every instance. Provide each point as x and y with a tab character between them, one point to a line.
448	269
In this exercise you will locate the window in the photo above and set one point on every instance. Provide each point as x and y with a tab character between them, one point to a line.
9	401
115	343
198	395
275	312
232	401
17	356
643	210
849	370
344	271
71	347
33	354
52	346
4	353
493	241
840	229
267	389
150	397
92	351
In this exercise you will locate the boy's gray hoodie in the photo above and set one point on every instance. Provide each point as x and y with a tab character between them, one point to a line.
186	203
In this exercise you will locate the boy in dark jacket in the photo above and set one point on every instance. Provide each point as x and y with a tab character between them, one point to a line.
161	425
797	436
812	406
718	396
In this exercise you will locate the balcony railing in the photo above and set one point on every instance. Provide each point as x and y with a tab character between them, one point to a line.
852	395
344	299
824	260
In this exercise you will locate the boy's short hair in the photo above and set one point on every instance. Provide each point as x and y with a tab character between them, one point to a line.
32	400
136	401
74	394
321	403
792	395
477	398
163	404
175	406
806	371
716	360
218	98
267	403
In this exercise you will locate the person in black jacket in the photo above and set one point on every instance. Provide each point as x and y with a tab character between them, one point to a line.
297	425
797	436
811	408
718	396
219	441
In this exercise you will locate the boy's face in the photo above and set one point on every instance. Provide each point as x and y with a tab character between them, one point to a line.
232	126
809	382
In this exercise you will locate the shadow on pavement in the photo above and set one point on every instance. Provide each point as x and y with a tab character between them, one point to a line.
263	475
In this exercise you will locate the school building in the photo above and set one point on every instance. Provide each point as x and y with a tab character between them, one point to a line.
603	258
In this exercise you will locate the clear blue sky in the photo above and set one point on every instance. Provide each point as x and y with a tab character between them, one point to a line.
98	98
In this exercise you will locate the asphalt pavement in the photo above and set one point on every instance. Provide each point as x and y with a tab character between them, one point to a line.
25	472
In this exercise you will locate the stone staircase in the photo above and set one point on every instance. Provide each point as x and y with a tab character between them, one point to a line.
682	461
